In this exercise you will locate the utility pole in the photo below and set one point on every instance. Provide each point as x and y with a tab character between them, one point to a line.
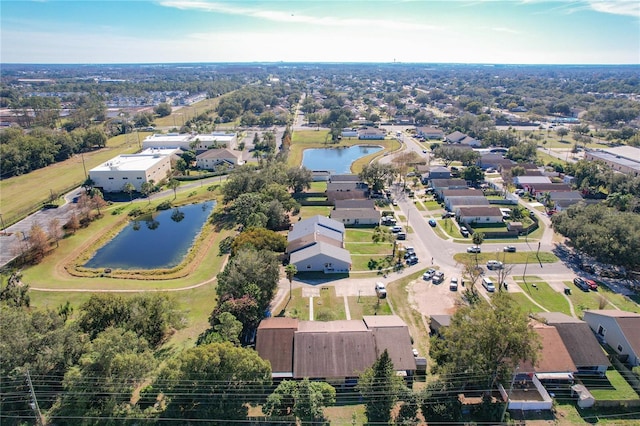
1	222
84	166
506	405
34	401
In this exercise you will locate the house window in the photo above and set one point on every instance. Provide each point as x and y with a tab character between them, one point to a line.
601	330
125	178
619	348
308	266
138	177
110	178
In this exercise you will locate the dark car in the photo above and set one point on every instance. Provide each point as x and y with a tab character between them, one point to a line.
432	222
585	284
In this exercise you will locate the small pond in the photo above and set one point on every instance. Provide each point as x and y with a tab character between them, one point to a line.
336	160
158	241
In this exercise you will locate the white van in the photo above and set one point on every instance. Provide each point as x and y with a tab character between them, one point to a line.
488	284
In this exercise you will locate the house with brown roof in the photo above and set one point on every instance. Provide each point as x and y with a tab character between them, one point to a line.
583	347
554	362
335	351
345	190
439	185
479	215
618	329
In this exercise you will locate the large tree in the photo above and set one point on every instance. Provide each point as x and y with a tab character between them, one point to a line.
304	399
380	388
377	175
486	343
213	382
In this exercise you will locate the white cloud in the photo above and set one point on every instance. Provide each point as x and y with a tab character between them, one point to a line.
629	8
295	18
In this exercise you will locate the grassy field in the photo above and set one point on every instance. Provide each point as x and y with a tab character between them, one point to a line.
508	258
180	116
21	195
355	235
602	299
543	294
369	248
526	304
613	389
318	186
309	211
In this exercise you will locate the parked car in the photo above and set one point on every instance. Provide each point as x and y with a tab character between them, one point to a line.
432	222
428	274
585	284
510	249
488	284
438	277
464	231
396	229
494	264
401	236
453	284
394	202
412	260
473	249
381	290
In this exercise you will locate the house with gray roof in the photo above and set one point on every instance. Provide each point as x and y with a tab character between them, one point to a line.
428	132
479	215
215	158
317	245
583	347
618	329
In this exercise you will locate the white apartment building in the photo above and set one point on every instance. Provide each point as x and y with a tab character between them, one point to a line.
149	165
189	141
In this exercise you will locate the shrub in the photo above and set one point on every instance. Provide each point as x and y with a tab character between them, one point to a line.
165	205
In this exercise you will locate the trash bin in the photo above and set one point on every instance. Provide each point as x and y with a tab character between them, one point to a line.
567	290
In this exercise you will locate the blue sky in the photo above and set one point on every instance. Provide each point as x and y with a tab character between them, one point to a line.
482	31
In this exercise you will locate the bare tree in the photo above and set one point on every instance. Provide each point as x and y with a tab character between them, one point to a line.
55	230
504	272
471	273
38	242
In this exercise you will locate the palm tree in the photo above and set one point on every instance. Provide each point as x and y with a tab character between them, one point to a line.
291	270
129	189
173	184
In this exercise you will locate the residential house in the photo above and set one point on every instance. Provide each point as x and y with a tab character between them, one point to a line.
349	133
538	190
431	133
346	190
453	204
334	351
439	172
372	133
492	161
356	212
618	329
554	360
563	199
584	349
216	158
479	215
317	244
462	139
437	324
527	182
439	185
136	169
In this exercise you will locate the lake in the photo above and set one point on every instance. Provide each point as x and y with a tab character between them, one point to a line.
160	241
336	160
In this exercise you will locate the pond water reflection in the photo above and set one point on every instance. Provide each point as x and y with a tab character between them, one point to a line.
160	241
336	160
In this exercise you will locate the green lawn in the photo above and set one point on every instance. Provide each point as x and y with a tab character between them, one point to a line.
583	300
420	206
507	258
361	262
526	304
354	235
320	186
432	205
449	227
367	305
369	248
613	389
21	195
309	211
546	296
328	307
